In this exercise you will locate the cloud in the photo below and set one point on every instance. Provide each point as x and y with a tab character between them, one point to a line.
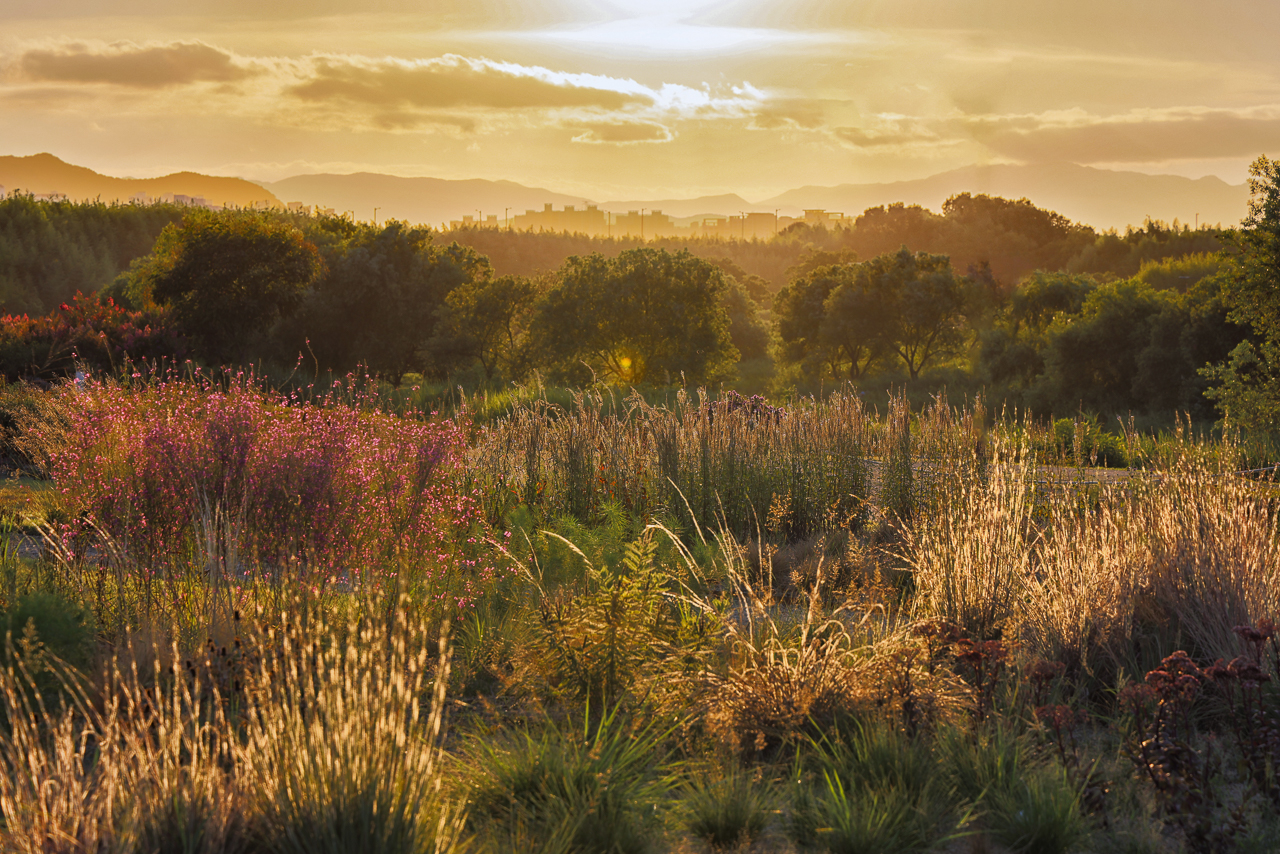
1140	137
624	133
454	81
888	131
799	113
124	64
452	94
400	94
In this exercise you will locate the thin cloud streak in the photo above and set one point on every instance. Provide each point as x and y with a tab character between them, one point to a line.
145	67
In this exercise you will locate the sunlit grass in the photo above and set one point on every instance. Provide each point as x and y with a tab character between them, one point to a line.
860	668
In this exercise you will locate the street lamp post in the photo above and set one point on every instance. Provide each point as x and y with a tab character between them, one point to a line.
775	221
642	224
506	220
375	217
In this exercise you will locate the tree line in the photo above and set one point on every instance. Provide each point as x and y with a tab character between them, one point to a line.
49	251
249	286
1070	333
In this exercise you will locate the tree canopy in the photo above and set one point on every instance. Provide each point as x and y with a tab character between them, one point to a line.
647	315
1248	381
842	317
228	276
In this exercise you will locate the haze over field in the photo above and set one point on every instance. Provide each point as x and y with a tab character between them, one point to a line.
643	99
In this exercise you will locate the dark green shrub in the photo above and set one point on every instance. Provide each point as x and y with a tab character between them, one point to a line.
877	792
1085	443
592	790
60	626
727	810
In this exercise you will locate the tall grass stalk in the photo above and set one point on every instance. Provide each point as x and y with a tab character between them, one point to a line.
972	556
334	746
701	460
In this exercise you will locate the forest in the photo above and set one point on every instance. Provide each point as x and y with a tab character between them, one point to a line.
988	295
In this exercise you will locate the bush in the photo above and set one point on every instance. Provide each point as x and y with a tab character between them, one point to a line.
728	809
100	336
40	625
597	789
1084	442
224	477
878	793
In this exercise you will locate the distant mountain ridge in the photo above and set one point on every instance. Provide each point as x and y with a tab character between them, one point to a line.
432	201
1097	197
43	173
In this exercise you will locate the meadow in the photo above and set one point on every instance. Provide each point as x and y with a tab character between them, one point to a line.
324	620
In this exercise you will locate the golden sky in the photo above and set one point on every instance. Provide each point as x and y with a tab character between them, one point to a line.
641	98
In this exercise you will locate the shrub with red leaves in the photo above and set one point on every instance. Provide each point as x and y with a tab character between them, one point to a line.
101	336
1254	715
1164	750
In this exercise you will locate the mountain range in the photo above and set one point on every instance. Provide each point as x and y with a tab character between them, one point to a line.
1097	197
433	201
44	173
1101	198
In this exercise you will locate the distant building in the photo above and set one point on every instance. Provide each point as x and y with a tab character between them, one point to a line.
752	226
50	197
298	207
140	198
324	211
468	221
824	219
641	223
586	220
2	192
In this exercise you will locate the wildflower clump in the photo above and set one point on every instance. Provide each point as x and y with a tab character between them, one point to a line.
220	475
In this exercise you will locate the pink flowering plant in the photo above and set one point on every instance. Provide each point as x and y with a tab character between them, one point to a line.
240	483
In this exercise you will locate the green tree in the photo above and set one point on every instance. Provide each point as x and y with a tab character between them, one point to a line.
855	318
924	305
1247	386
1043	296
229	277
646	316
799	310
49	251
748	333
484	320
1092	359
1011	351
379	304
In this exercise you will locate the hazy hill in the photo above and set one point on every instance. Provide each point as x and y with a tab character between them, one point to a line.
430	201
44	173
1097	197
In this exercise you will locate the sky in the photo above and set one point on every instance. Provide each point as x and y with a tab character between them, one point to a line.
641	98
